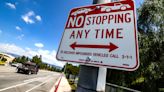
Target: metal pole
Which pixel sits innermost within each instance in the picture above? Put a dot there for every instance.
(64, 71)
(65, 68)
(101, 1)
(87, 79)
(92, 79)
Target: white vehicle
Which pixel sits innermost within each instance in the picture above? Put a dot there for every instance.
(116, 6)
(80, 11)
(15, 64)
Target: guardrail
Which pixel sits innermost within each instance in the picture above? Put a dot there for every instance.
(116, 88)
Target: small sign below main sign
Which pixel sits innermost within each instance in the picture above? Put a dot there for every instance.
(102, 35)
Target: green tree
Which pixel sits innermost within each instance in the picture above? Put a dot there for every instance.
(70, 69)
(21, 59)
(151, 50)
(151, 42)
(37, 60)
(43, 66)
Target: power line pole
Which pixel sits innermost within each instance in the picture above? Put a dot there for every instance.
(92, 79)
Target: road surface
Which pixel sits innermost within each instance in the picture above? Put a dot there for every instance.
(10, 81)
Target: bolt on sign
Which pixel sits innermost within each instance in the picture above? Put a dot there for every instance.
(102, 35)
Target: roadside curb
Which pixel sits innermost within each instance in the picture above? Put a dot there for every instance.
(56, 85)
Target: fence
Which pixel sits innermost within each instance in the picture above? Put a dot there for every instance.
(116, 88)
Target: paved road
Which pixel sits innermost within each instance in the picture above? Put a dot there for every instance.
(10, 81)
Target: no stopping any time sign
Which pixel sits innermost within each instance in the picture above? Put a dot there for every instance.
(101, 35)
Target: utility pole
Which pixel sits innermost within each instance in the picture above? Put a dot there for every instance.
(92, 79)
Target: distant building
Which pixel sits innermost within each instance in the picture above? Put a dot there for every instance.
(8, 57)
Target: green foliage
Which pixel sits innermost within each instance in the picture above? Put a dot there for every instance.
(70, 69)
(151, 43)
(43, 66)
(37, 60)
(73, 86)
(151, 50)
(21, 59)
(151, 15)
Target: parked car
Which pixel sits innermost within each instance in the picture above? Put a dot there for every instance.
(80, 11)
(117, 6)
(28, 68)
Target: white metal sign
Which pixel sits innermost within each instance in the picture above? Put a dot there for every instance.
(101, 35)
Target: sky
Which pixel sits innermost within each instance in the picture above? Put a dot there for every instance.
(35, 27)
